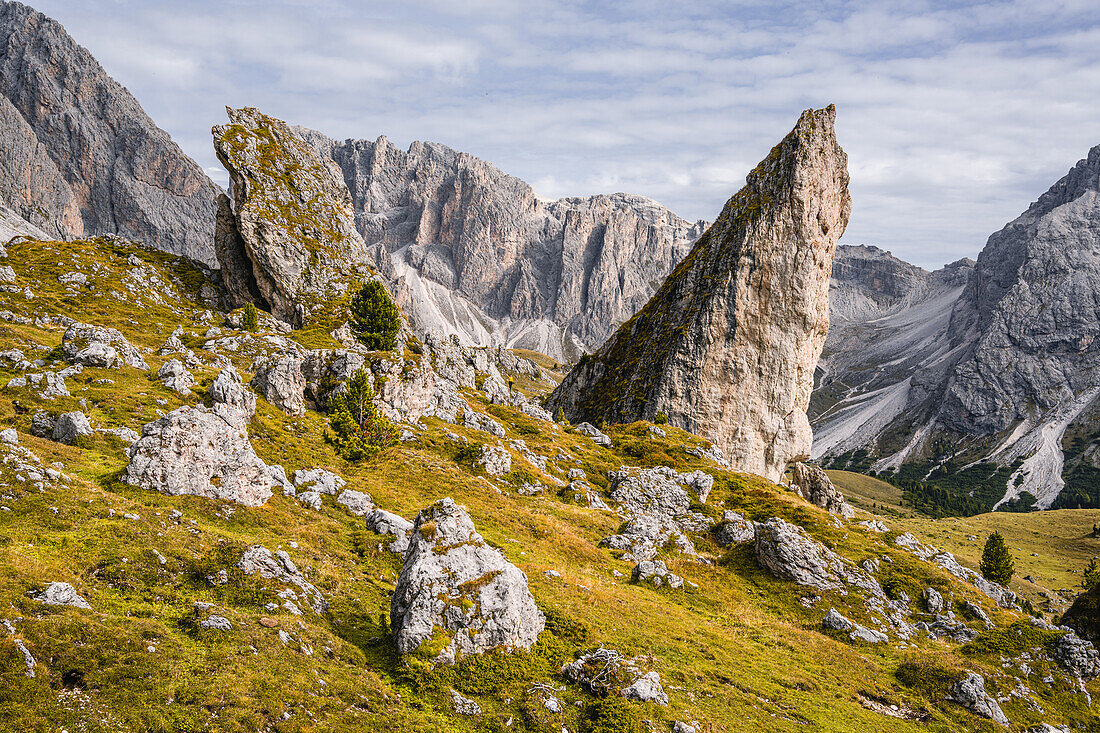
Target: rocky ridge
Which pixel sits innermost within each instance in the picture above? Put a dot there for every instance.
(716, 349)
(81, 156)
(1001, 352)
(476, 253)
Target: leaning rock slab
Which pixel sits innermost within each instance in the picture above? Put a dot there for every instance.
(814, 485)
(728, 345)
(455, 585)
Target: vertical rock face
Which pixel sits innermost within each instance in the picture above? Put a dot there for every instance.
(81, 157)
(727, 346)
(290, 238)
(1002, 352)
(476, 253)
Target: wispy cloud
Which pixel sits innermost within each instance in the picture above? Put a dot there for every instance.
(955, 115)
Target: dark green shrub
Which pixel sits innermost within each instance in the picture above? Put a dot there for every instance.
(250, 320)
(661, 418)
(375, 319)
(997, 564)
(358, 431)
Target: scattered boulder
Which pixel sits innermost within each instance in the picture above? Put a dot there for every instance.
(454, 583)
(734, 529)
(42, 424)
(835, 621)
(593, 432)
(647, 689)
(318, 479)
(657, 509)
(814, 485)
(312, 499)
(388, 523)
(193, 451)
(96, 346)
(174, 375)
(1077, 656)
(933, 601)
(233, 402)
(28, 659)
(8, 436)
(975, 611)
(496, 460)
(464, 705)
(970, 693)
(474, 420)
(655, 572)
(173, 344)
(217, 623)
(60, 594)
(788, 552)
(282, 382)
(71, 425)
(357, 502)
(278, 566)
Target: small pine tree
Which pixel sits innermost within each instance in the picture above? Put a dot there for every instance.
(375, 319)
(356, 429)
(1092, 575)
(997, 564)
(250, 321)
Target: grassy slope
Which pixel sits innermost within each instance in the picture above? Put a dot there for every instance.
(738, 653)
(871, 494)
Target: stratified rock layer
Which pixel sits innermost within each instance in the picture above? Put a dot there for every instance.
(290, 241)
(727, 346)
(81, 157)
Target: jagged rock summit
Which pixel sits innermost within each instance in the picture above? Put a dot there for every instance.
(288, 242)
(996, 360)
(473, 252)
(81, 157)
(727, 347)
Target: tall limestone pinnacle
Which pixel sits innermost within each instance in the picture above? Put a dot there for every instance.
(727, 346)
(288, 242)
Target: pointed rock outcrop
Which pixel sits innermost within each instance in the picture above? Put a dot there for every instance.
(456, 594)
(289, 242)
(727, 346)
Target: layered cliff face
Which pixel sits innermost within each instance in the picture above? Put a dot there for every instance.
(288, 241)
(81, 157)
(473, 252)
(727, 346)
(993, 361)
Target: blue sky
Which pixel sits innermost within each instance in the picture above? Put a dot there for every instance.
(955, 116)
